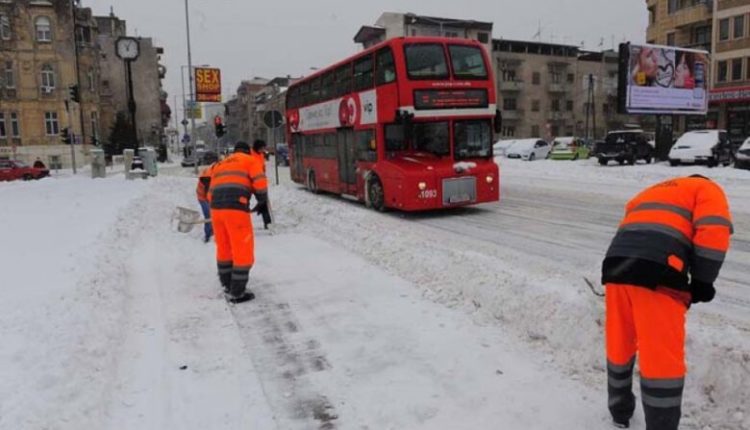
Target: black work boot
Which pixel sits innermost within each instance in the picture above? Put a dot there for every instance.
(243, 297)
(226, 280)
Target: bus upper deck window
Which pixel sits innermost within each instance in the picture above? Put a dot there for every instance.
(426, 61)
(468, 62)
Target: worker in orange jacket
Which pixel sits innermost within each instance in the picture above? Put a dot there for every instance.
(259, 152)
(201, 192)
(666, 255)
(233, 181)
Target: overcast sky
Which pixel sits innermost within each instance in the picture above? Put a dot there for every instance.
(267, 38)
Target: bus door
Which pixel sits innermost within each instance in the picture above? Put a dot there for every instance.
(298, 169)
(347, 161)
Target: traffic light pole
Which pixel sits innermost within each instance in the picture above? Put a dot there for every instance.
(192, 88)
(71, 137)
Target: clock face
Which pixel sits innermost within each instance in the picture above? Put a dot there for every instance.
(127, 48)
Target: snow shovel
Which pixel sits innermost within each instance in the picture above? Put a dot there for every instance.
(187, 219)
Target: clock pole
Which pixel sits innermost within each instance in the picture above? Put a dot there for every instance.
(131, 102)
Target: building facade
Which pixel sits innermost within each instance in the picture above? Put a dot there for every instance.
(47, 46)
(240, 119)
(721, 27)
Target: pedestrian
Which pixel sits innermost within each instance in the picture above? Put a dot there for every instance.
(39, 164)
(259, 152)
(666, 255)
(201, 192)
(233, 181)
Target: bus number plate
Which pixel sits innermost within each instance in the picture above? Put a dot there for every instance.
(428, 194)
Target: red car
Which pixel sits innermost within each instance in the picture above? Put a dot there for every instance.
(11, 170)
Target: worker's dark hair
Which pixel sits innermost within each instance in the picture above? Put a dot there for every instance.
(242, 147)
(259, 144)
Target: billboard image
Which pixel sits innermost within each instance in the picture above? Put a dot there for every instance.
(663, 80)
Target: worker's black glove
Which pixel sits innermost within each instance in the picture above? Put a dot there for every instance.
(701, 291)
(262, 205)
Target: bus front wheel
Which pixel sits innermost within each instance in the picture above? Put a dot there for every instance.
(376, 194)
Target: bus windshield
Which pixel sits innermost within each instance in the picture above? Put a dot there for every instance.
(432, 137)
(468, 62)
(426, 61)
(473, 139)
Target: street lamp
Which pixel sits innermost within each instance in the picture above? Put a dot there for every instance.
(192, 97)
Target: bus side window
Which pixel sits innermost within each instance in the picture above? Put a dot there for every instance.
(366, 151)
(315, 90)
(343, 80)
(326, 89)
(363, 73)
(394, 138)
(386, 69)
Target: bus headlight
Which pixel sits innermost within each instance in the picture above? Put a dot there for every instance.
(490, 179)
(422, 186)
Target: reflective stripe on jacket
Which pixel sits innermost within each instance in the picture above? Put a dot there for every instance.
(672, 229)
(204, 183)
(234, 180)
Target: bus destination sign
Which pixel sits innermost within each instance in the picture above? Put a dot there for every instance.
(448, 99)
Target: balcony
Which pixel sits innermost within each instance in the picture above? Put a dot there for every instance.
(510, 86)
(691, 15)
(512, 115)
(558, 88)
(556, 116)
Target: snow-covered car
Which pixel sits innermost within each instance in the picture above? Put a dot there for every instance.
(501, 146)
(568, 148)
(529, 149)
(742, 157)
(710, 147)
(625, 147)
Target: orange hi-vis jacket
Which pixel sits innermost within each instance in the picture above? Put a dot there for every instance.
(675, 228)
(204, 182)
(260, 157)
(234, 180)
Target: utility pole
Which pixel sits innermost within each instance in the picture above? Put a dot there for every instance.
(192, 87)
(78, 83)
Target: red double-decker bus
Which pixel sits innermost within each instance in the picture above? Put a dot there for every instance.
(406, 124)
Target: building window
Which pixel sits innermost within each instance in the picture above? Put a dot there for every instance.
(555, 76)
(43, 29)
(51, 125)
(15, 127)
(4, 27)
(536, 78)
(534, 131)
(737, 69)
(3, 130)
(702, 35)
(8, 75)
(535, 105)
(739, 26)
(569, 105)
(555, 105)
(92, 81)
(509, 104)
(508, 131)
(48, 78)
(95, 127)
(483, 37)
(670, 39)
(724, 29)
(672, 6)
(509, 75)
(571, 78)
(721, 71)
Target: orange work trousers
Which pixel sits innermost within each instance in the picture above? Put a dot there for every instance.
(235, 247)
(650, 323)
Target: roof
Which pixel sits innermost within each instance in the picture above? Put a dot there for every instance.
(531, 47)
(369, 32)
(412, 18)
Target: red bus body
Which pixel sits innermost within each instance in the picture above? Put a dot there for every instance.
(422, 129)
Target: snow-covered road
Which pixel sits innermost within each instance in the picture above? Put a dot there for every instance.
(476, 318)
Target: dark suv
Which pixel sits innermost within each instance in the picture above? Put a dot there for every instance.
(625, 147)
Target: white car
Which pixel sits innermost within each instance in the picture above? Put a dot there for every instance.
(742, 157)
(702, 146)
(501, 146)
(529, 149)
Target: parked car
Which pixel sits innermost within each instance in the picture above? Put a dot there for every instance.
(204, 159)
(529, 149)
(710, 147)
(742, 157)
(11, 170)
(625, 146)
(282, 154)
(569, 148)
(501, 146)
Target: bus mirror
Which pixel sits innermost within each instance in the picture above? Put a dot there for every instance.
(498, 123)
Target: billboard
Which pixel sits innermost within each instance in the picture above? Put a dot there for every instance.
(662, 80)
(207, 84)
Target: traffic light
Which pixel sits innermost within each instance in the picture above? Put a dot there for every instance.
(220, 128)
(66, 137)
(75, 94)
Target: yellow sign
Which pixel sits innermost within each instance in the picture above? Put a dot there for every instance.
(194, 111)
(207, 85)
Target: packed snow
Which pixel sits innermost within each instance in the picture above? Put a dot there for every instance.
(472, 318)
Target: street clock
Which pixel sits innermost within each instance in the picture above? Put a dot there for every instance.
(127, 48)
